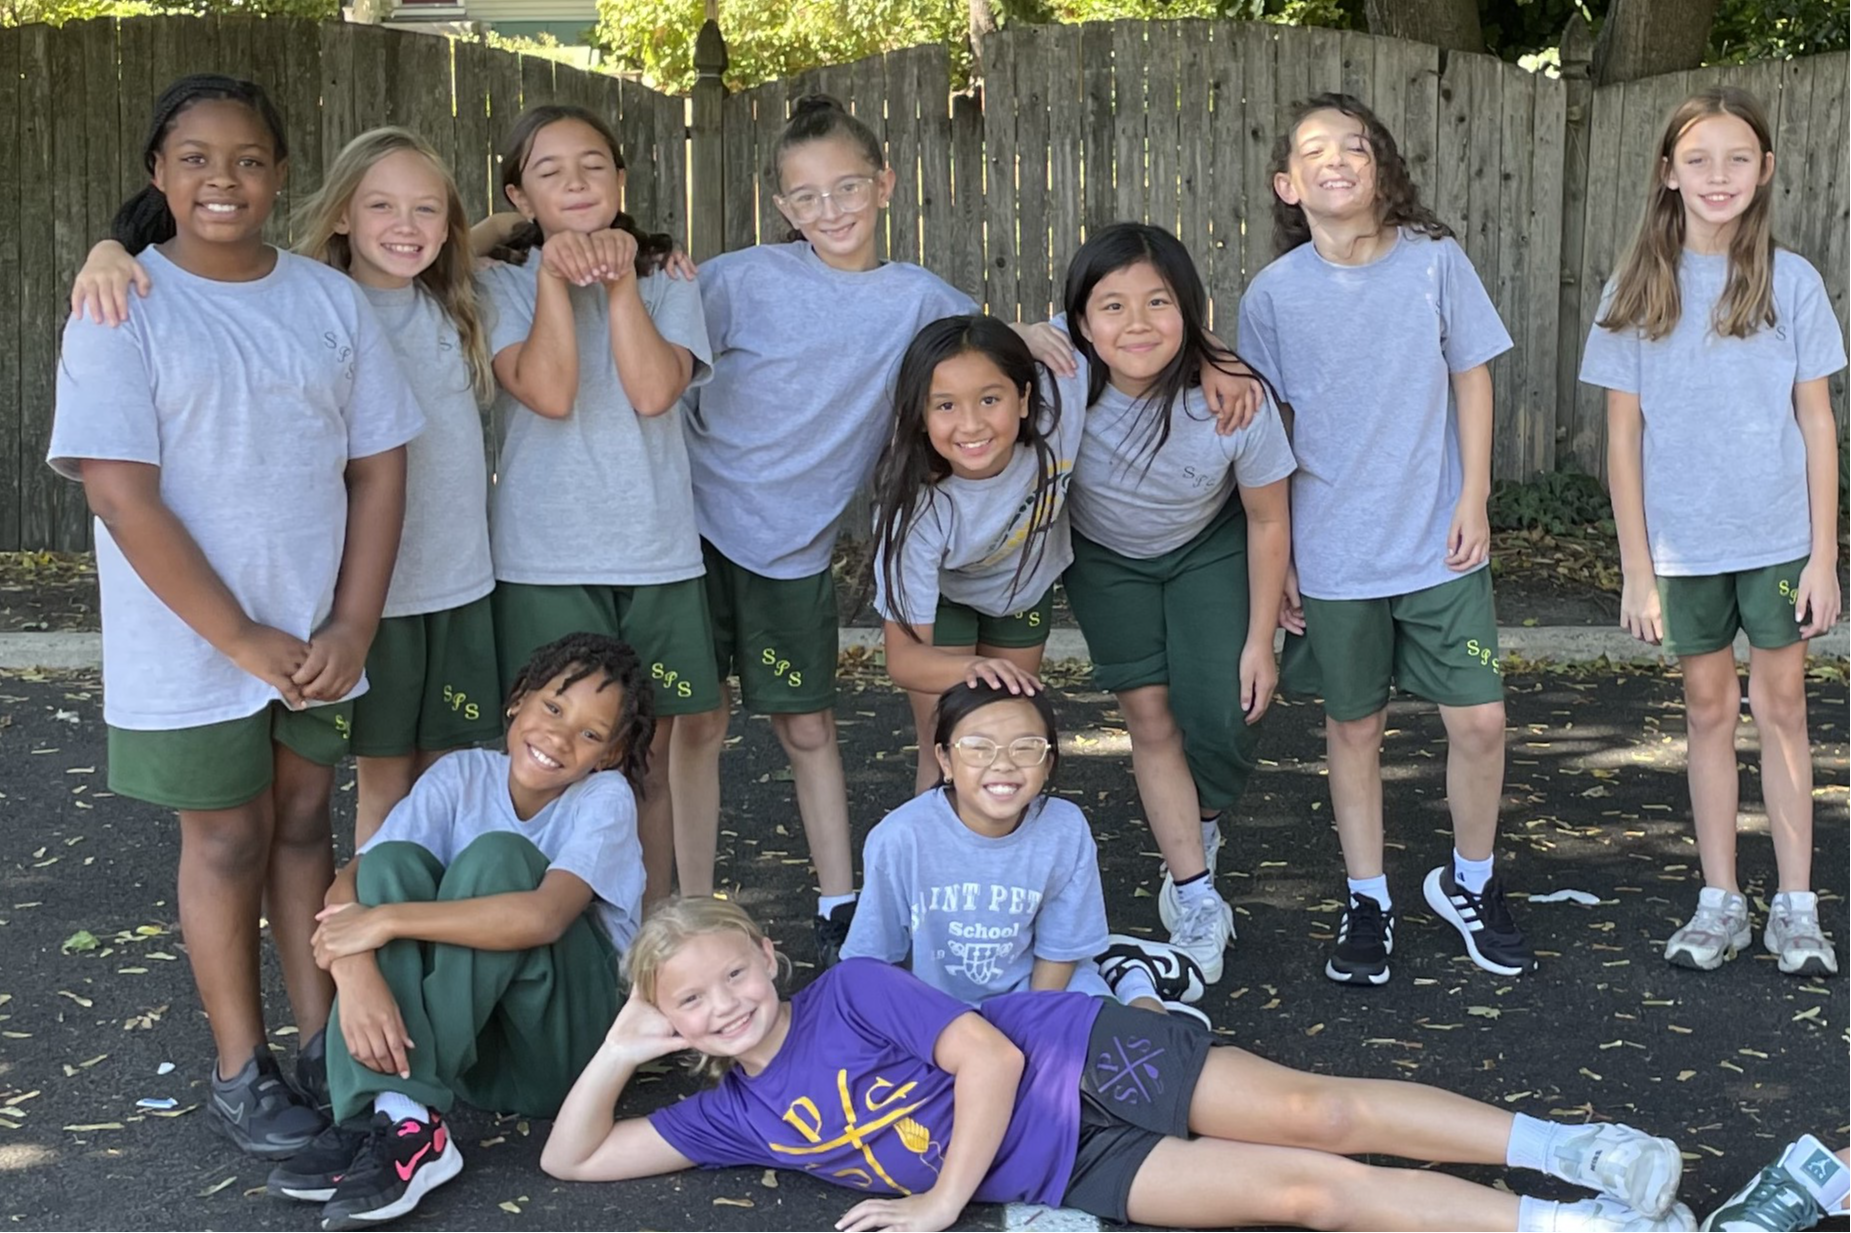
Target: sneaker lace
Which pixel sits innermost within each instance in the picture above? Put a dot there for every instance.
(1492, 907)
(1710, 921)
(1779, 1203)
(1365, 916)
(1199, 924)
(1802, 928)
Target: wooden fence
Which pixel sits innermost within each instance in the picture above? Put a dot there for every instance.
(1170, 122)
(75, 103)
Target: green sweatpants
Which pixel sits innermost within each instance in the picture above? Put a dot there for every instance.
(507, 1031)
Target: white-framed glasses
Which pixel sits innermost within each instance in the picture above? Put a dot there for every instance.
(980, 752)
(851, 196)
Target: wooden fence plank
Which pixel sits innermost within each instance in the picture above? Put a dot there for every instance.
(60, 504)
(102, 158)
(904, 128)
(739, 178)
(422, 87)
(135, 100)
(16, 350)
(1257, 47)
(964, 269)
(1066, 87)
(1509, 237)
(1128, 115)
(1796, 174)
(184, 45)
(1195, 135)
(502, 76)
(936, 203)
(1002, 253)
(302, 103)
(1096, 138)
(473, 162)
(1449, 189)
(268, 65)
(1224, 146)
(1323, 60)
(1031, 52)
(1543, 270)
(1822, 237)
(1357, 76)
(670, 171)
(872, 96)
(372, 46)
(1160, 123)
(1605, 228)
(235, 34)
(1417, 67)
(41, 311)
(771, 115)
(338, 123)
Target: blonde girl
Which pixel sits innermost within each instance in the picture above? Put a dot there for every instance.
(1714, 345)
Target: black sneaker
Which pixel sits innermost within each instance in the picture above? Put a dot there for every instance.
(260, 1112)
(312, 1173)
(312, 1071)
(1491, 935)
(1365, 940)
(1176, 976)
(398, 1164)
(832, 934)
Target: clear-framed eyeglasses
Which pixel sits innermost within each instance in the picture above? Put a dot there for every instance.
(980, 752)
(851, 196)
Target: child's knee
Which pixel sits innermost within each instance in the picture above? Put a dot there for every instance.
(705, 729)
(1712, 705)
(227, 850)
(1778, 705)
(1357, 735)
(497, 863)
(1477, 730)
(806, 734)
(397, 872)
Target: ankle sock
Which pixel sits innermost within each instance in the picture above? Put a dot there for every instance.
(1472, 875)
(1211, 835)
(827, 904)
(1376, 888)
(1531, 1140)
(1134, 983)
(1825, 1177)
(1537, 1215)
(400, 1107)
(1194, 890)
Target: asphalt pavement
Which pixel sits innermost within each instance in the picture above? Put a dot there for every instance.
(1732, 1064)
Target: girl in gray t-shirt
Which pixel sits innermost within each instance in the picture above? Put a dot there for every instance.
(970, 519)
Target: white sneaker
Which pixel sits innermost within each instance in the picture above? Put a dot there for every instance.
(1794, 935)
(1169, 905)
(1175, 976)
(1718, 930)
(1612, 1216)
(1203, 930)
(1638, 1169)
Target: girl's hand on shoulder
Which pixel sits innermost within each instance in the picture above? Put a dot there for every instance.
(1259, 678)
(1640, 614)
(1468, 540)
(1817, 601)
(101, 291)
(336, 657)
(1001, 674)
(1234, 394)
(917, 1211)
(641, 1033)
(274, 658)
(1291, 604)
(348, 929)
(679, 265)
(1049, 345)
(373, 1027)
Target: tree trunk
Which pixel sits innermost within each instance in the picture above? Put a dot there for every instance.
(1642, 38)
(982, 25)
(1452, 24)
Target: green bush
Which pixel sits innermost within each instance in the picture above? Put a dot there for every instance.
(1558, 503)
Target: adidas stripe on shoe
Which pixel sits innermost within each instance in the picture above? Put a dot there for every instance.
(1484, 922)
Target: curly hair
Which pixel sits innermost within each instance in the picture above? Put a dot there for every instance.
(577, 657)
(1397, 199)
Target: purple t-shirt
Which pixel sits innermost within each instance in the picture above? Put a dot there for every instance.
(854, 1098)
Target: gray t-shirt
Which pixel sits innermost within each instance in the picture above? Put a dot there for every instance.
(589, 831)
(1365, 355)
(801, 400)
(1142, 505)
(968, 536)
(443, 559)
(976, 912)
(251, 398)
(1724, 462)
(601, 496)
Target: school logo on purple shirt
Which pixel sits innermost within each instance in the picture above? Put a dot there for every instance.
(889, 1116)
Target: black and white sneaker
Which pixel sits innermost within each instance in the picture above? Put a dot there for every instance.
(1365, 940)
(1175, 976)
(1491, 935)
(257, 1110)
(311, 1175)
(832, 935)
(400, 1162)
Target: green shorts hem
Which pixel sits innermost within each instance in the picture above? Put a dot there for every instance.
(1703, 613)
(957, 624)
(776, 635)
(432, 684)
(222, 765)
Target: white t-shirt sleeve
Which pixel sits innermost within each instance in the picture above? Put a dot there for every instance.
(105, 400)
(1071, 924)
(1260, 452)
(382, 411)
(508, 290)
(675, 306)
(1612, 358)
(922, 553)
(1259, 343)
(1472, 331)
(882, 927)
(1818, 338)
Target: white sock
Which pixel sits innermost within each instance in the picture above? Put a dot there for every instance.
(1211, 835)
(1472, 875)
(1823, 1175)
(1134, 983)
(1531, 1140)
(1536, 1215)
(825, 904)
(400, 1107)
(1195, 890)
(1376, 888)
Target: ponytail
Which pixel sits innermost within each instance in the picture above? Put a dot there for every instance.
(144, 219)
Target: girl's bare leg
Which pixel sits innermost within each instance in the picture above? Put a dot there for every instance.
(655, 817)
(1777, 697)
(224, 856)
(1165, 786)
(301, 868)
(822, 795)
(1712, 709)
(694, 770)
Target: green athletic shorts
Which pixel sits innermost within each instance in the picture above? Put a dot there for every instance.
(778, 635)
(961, 625)
(432, 684)
(1440, 644)
(1702, 614)
(666, 623)
(226, 764)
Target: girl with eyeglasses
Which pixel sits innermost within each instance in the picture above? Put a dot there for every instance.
(992, 884)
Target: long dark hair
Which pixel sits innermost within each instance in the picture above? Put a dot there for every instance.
(144, 219)
(909, 466)
(963, 700)
(579, 656)
(813, 118)
(1397, 198)
(652, 247)
(1110, 250)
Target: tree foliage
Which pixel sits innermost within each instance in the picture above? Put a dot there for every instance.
(57, 12)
